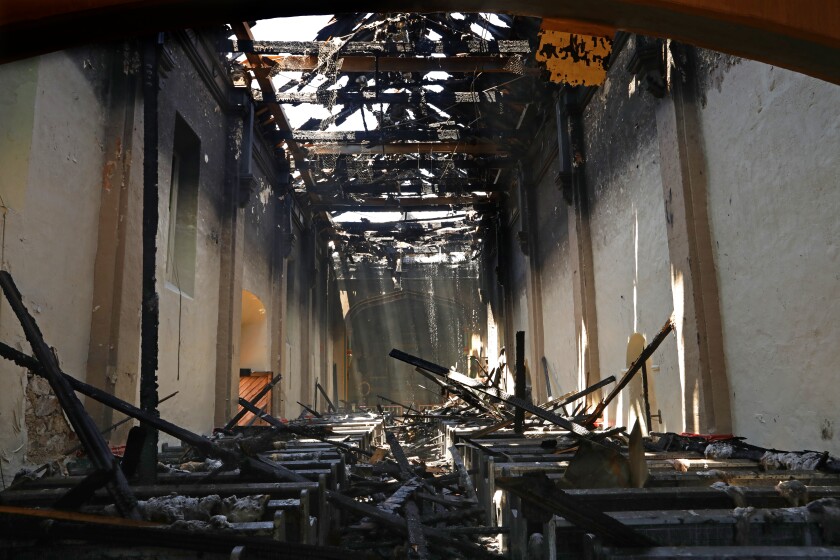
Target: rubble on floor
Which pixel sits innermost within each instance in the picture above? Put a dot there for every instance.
(487, 474)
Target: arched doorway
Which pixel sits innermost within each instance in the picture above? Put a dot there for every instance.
(254, 356)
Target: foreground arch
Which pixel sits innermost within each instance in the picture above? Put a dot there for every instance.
(802, 36)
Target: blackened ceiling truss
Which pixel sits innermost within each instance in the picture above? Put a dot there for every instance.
(428, 142)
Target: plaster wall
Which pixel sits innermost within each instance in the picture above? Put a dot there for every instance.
(259, 251)
(188, 322)
(556, 270)
(517, 312)
(50, 210)
(629, 242)
(295, 323)
(773, 206)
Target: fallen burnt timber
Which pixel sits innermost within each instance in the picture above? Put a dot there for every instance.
(455, 480)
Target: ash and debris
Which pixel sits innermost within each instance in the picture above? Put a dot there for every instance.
(212, 510)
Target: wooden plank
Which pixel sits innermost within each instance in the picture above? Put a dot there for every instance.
(575, 430)
(443, 99)
(448, 147)
(93, 442)
(357, 64)
(255, 401)
(444, 46)
(545, 495)
(465, 479)
(634, 368)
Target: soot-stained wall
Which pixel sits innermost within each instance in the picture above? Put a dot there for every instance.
(748, 258)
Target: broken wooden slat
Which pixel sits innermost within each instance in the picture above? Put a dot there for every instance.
(330, 405)
(398, 524)
(416, 536)
(356, 64)
(544, 494)
(309, 409)
(635, 367)
(399, 498)
(277, 424)
(576, 429)
(466, 481)
(587, 391)
(519, 381)
(447, 45)
(81, 421)
(263, 392)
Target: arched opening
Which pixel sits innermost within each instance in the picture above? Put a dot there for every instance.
(253, 354)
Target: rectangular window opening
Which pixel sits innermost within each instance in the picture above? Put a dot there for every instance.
(183, 208)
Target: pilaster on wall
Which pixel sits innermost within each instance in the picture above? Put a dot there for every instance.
(113, 354)
(534, 337)
(693, 275)
(232, 242)
(572, 181)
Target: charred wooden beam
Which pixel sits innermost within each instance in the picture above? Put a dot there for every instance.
(243, 32)
(330, 405)
(540, 492)
(575, 429)
(82, 423)
(356, 64)
(441, 99)
(519, 381)
(589, 390)
(263, 392)
(403, 186)
(635, 367)
(309, 409)
(463, 147)
(468, 135)
(149, 310)
(201, 443)
(278, 425)
(423, 161)
(444, 46)
(411, 204)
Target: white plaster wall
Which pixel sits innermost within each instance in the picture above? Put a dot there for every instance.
(632, 273)
(50, 229)
(772, 141)
(556, 271)
(188, 324)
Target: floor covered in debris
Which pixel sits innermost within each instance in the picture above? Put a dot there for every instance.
(448, 180)
(485, 475)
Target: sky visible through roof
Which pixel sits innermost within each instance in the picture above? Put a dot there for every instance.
(305, 28)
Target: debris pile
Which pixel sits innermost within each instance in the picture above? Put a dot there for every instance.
(487, 473)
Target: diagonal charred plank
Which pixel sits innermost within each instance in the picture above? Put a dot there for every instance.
(201, 443)
(280, 426)
(82, 423)
(456, 378)
(263, 392)
(634, 368)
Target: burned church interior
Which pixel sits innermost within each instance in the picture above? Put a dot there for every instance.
(549, 281)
